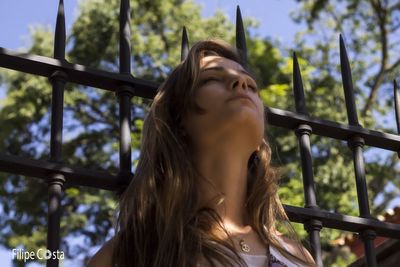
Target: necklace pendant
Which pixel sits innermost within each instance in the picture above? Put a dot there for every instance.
(244, 246)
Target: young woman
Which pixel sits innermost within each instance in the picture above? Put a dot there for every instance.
(204, 193)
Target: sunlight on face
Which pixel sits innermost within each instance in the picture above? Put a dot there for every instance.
(230, 98)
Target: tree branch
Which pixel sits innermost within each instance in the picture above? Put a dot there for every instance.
(395, 65)
(394, 7)
(382, 17)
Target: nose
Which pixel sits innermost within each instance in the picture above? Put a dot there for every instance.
(239, 82)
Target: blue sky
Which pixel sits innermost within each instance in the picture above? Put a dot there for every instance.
(17, 16)
(15, 19)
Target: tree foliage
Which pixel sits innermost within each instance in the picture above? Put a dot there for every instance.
(91, 115)
(371, 32)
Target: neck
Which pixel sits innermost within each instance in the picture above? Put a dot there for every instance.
(223, 171)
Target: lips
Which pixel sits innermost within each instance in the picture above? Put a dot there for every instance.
(238, 96)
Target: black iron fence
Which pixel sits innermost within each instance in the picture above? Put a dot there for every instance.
(57, 173)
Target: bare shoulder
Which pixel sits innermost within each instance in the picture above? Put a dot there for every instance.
(296, 248)
(103, 257)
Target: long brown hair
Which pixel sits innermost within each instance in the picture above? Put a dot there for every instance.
(160, 222)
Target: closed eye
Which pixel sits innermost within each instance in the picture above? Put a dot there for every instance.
(253, 88)
(252, 85)
(208, 80)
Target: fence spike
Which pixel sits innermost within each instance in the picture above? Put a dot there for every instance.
(184, 45)
(396, 104)
(241, 37)
(59, 37)
(298, 88)
(124, 96)
(125, 37)
(348, 85)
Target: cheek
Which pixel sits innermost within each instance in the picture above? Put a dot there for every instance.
(208, 98)
(260, 107)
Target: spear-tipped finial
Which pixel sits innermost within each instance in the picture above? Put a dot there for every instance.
(348, 84)
(184, 45)
(240, 37)
(59, 38)
(396, 104)
(298, 89)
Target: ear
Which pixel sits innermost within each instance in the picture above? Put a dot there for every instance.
(258, 149)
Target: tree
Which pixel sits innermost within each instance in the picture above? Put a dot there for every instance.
(90, 124)
(371, 32)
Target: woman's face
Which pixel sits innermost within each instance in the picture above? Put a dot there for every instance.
(221, 83)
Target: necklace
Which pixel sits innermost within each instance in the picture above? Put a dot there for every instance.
(244, 246)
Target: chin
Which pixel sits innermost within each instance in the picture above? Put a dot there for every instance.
(249, 119)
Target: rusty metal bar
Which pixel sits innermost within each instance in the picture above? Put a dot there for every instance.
(303, 133)
(356, 144)
(56, 180)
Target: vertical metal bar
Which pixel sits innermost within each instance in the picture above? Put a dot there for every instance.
(125, 38)
(59, 40)
(58, 80)
(397, 107)
(125, 131)
(241, 37)
(123, 94)
(396, 104)
(184, 45)
(348, 85)
(303, 133)
(298, 89)
(56, 180)
(356, 143)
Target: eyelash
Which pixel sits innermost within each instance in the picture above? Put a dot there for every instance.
(252, 87)
(209, 79)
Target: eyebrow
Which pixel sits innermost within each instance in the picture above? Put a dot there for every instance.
(219, 68)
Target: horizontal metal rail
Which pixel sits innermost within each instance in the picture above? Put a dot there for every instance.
(87, 76)
(326, 128)
(73, 175)
(342, 222)
(78, 176)
(79, 74)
